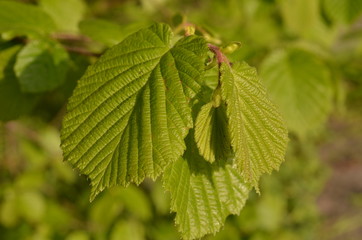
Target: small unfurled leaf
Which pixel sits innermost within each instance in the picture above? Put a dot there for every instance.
(212, 134)
(203, 194)
(129, 114)
(211, 77)
(231, 47)
(258, 133)
(24, 19)
(66, 13)
(300, 84)
(41, 66)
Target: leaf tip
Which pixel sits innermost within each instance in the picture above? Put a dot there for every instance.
(94, 193)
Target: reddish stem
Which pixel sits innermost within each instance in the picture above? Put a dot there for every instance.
(220, 57)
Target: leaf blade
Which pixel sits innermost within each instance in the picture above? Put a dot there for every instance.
(41, 66)
(212, 134)
(299, 83)
(66, 14)
(20, 18)
(131, 109)
(13, 102)
(203, 194)
(257, 131)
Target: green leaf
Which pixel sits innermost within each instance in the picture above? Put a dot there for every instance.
(107, 202)
(257, 131)
(211, 77)
(212, 134)
(13, 102)
(203, 194)
(66, 13)
(299, 15)
(129, 229)
(300, 84)
(20, 18)
(108, 33)
(41, 66)
(102, 31)
(7, 52)
(136, 202)
(303, 18)
(129, 114)
(345, 11)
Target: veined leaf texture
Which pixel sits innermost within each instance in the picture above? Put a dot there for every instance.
(258, 134)
(203, 194)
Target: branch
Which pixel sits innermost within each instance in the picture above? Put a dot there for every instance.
(82, 51)
(71, 37)
(72, 40)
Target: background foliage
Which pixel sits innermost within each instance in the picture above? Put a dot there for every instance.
(309, 54)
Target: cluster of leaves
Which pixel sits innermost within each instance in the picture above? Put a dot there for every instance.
(307, 50)
(130, 112)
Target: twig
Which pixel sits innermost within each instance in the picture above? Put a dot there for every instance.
(65, 38)
(71, 37)
(82, 51)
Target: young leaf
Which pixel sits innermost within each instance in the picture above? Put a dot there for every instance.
(41, 66)
(66, 14)
(129, 114)
(203, 194)
(300, 84)
(258, 133)
(211, 77)
(20, 18)
(211, 133)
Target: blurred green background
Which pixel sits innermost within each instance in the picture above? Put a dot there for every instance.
(309, 55)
